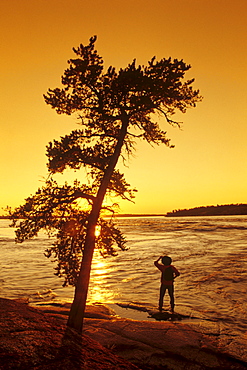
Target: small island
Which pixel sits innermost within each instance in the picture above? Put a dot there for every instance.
(219, 210)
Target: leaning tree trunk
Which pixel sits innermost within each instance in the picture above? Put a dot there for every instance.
(76, 314)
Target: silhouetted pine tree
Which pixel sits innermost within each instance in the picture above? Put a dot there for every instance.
(114, 108)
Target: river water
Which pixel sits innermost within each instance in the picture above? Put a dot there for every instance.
(209, 252)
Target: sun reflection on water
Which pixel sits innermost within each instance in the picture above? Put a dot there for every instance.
(98, 291)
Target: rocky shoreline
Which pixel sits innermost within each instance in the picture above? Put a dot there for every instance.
(34, 338)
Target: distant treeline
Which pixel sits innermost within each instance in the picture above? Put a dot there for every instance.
(224, 210)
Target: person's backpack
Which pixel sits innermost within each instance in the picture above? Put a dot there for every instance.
(168, 274)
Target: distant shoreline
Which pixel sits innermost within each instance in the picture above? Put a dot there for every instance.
(219, 210)
(117, 215)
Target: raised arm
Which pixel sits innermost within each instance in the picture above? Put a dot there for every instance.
(157, 264)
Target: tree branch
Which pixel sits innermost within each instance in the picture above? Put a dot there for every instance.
(170, 121)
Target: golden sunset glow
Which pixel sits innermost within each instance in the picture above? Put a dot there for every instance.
(207, 165)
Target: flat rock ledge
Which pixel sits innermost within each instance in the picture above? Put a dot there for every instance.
(33, 338)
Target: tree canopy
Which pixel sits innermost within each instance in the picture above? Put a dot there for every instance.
(114, 109)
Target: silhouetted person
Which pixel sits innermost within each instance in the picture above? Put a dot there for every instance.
(169, 273)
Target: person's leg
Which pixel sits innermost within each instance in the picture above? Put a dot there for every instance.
(162, 293)
(171, 294)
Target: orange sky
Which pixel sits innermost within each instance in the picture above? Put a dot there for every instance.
(207, 165)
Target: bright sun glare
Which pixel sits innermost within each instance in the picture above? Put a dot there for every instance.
(97, 231)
